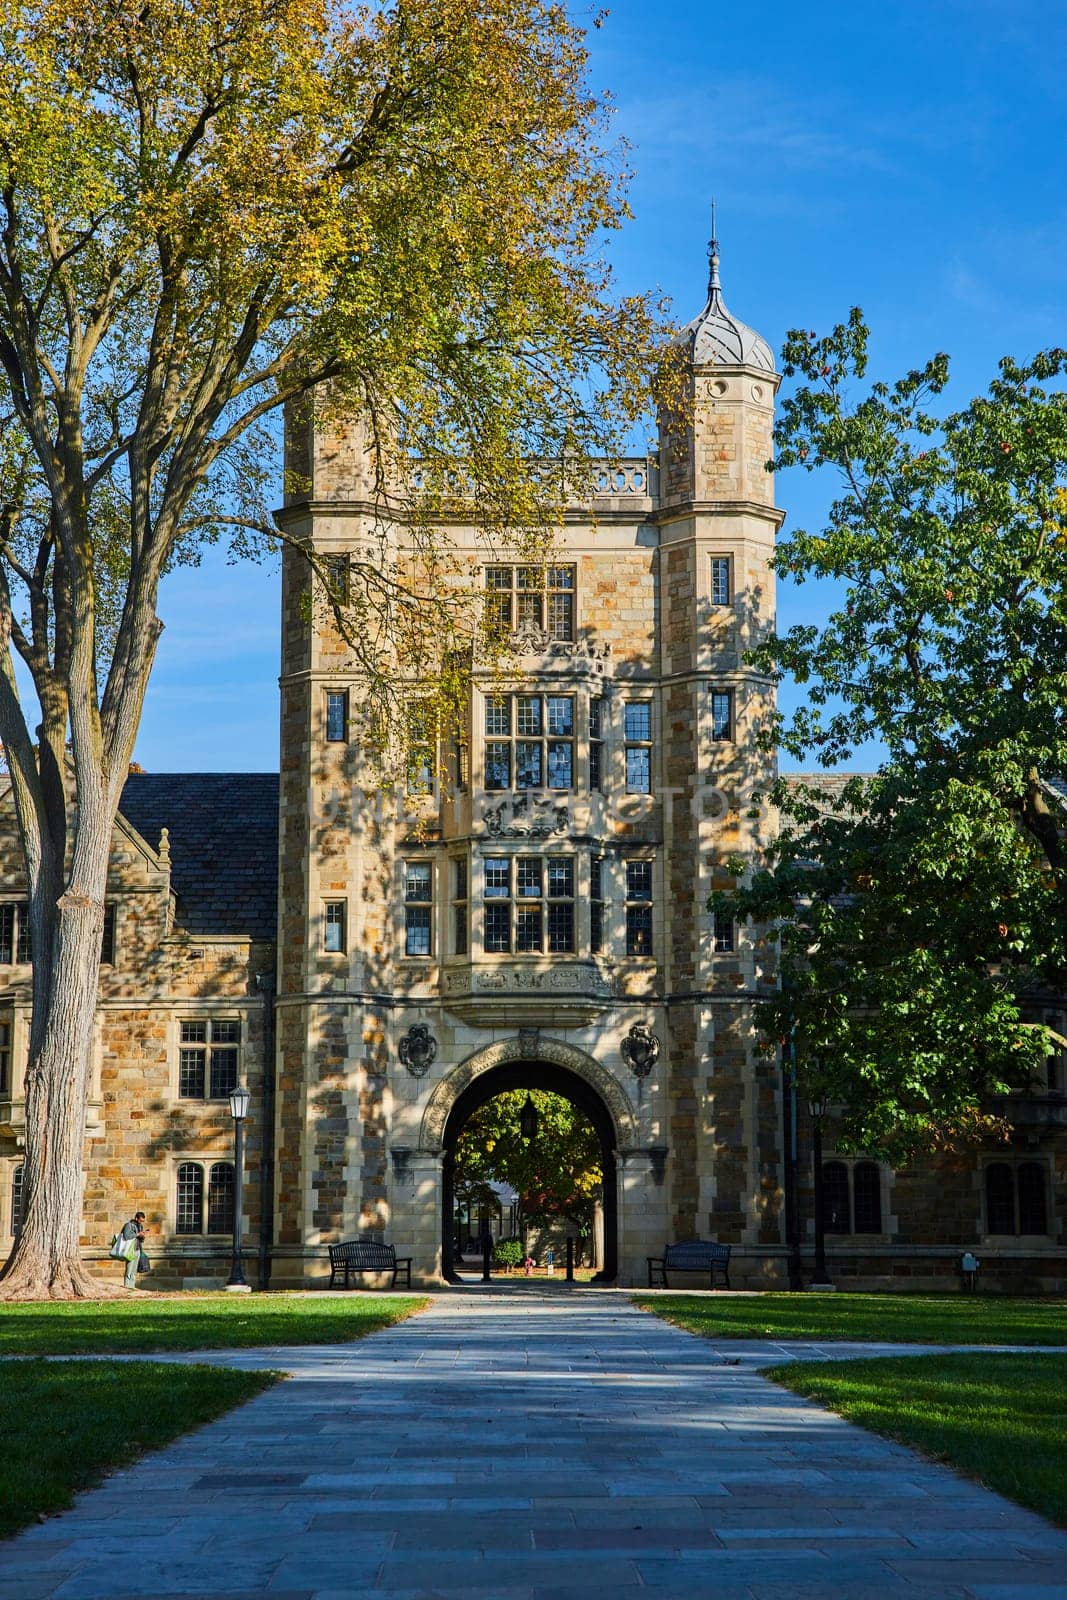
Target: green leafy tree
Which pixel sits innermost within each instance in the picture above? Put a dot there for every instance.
(557, 1174)
(918, 908)
(210, 210)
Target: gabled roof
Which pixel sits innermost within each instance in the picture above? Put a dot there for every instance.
(223, 845)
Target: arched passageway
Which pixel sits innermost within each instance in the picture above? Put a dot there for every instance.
(559, 1080)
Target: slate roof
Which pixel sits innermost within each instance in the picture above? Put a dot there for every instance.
(828, 785)
(223, 845)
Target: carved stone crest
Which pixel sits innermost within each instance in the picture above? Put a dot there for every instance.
(526, 817)
(530, 641)
(640, 1050)
(417, 1050)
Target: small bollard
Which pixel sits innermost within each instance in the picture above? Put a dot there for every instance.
(570, 1259)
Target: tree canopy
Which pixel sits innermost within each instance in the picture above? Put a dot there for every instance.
(921, 908)
(558, 1174)
(210, 209)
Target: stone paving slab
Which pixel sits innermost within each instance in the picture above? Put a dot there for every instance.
(535, 1447)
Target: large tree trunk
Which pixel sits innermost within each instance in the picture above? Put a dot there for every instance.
(46, 1260)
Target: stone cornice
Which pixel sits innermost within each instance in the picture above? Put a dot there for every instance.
(685, 509)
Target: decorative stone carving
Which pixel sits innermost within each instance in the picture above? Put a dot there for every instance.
(417, 1050)
(557, 979)
(530, 641)
(538, 642)
(443, 1096)
(578, 978)
(524, 816)
(640, 1050)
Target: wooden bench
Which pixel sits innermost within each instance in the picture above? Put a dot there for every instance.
(367, 1255)
(694, 1255)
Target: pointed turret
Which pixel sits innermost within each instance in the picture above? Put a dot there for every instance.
(717, 339)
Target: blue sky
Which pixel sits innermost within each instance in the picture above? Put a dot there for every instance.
(904, 157)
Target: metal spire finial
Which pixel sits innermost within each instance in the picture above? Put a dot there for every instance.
(714, 286)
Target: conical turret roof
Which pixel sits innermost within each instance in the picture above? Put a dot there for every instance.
(718, 339)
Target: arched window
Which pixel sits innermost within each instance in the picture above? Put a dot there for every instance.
(867, 1197)
(837, 1211)
(1033, 1208)
(220, 1198)
(190, 1208)
(16, 1201)
(999, 1198)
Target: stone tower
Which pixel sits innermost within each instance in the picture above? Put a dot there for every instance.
(717, 523)
(541, 920)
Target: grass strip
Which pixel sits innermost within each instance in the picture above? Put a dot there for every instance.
(193, 1322)
(999, 1418)
(65, 1424)
(894, 1318)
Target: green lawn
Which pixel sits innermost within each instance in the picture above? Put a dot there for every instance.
(194, 1322)
(64, 1424)
(898, 1318)
(998, 1418)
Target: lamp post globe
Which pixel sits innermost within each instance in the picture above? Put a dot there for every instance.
(239, 1099)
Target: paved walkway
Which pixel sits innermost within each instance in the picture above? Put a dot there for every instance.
(530, 1447)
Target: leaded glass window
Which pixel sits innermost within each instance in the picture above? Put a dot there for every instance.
(529, 904)
(529, 741)
(220, 1198)
(189, 1213)
(530, 599)
(418, 908)
(637, 727)
(639, 908)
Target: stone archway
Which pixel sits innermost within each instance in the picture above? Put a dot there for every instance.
(526, 1062)
(530, 1046)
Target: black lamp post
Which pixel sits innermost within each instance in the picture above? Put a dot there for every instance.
(820, 1278)
(239, 1098)
(528, 1120)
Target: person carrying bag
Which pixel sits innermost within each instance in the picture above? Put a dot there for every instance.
(127, 1246)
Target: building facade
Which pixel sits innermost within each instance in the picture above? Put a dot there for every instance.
(541, 920)
(538, 920)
